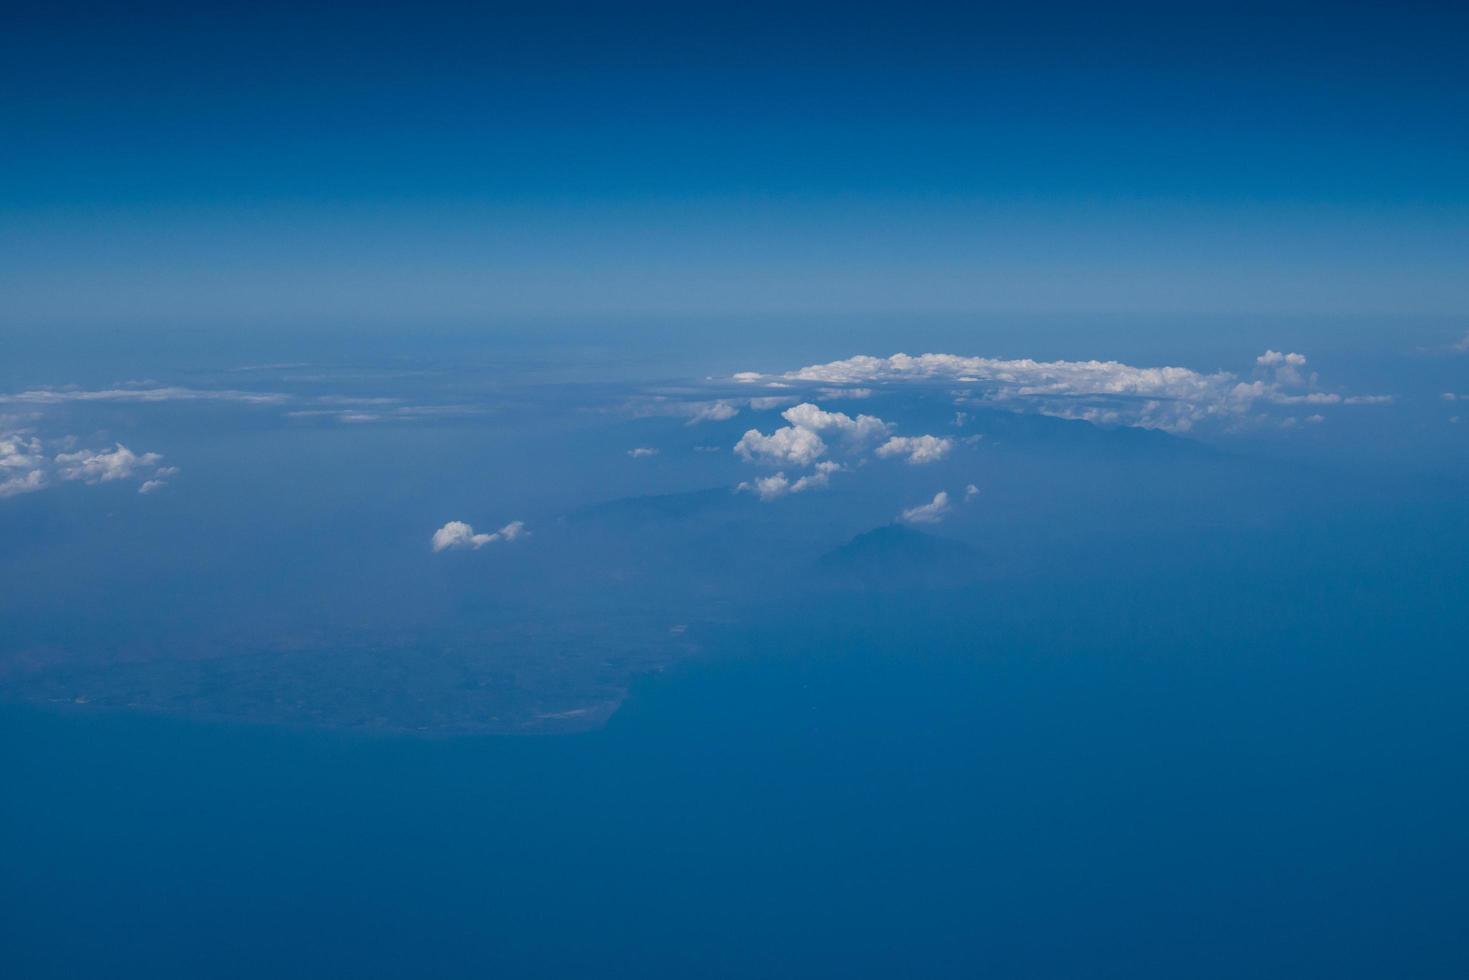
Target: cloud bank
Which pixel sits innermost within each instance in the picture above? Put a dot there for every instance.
(1174, 399)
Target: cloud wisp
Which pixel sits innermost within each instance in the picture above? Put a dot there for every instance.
(701, 410)
(169, 393)
(339, 408)
(930, 513)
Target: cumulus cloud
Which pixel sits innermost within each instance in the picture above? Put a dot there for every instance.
(22, 464)
(25, 466)
(787, 446)
(930, 513)
(812, 433)
(459, 535)
(95, 466)
(801, 442)
(970, 492)
(642, 452)
(1276, 358)
(1285, 367)
(779, 485)
(918, 449)
(1174, 399)
(862, 429)
(27, 482)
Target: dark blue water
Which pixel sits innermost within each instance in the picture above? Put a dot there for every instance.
(1187, 779)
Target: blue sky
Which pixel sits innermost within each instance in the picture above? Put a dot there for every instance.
(259, 161)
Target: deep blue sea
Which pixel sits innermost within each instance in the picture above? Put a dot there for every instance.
(1145, 704)
(872, 801)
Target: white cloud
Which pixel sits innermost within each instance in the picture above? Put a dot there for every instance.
(19, 451)
(768, 487)
(863, 428)
(1462, 344)
(918, 449)
(642, 452)
(23, 483)
(459, 535)
(790, 445)
(970, 492)
(930, 513)
(25, 466)
(22, 464)
(801, 442)
(1286, 367)
(150, 486)
(778, 484)
(97, 466)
